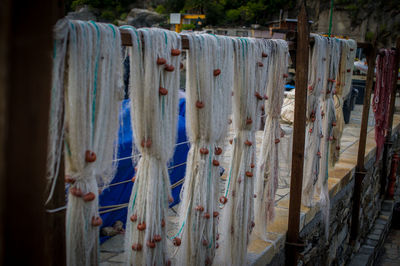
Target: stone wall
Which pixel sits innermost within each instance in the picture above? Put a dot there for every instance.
(338, 250)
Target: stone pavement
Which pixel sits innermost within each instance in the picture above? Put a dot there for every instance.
(391, 253)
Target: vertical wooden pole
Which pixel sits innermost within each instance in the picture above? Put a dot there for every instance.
(25, 64)
(5, 21)
(360, 169)
(55, 245)
(388, 142)
(299, 129)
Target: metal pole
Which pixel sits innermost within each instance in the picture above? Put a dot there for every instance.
(299, 129)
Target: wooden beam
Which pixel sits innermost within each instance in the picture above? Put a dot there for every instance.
(127, 41)
(360, 168)
(299, 129)
(388, 142)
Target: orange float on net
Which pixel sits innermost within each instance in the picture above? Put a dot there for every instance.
(249, 174)
(169, 68)
(96, 221)
(89, 196)
(90, 156)
(150, 244)
(277, 141)
(177, 241)
(285, 75)
(199, 104)
(258, 95)
(205, 242)
(215, 214)
(231, 141)
(204, 151)
(249, 121)
(137, 247)
(260, 64)
(69, 179)
(207, 215)
(133, 218)
(161, 61)
(133, 179)
(223, 199)
(162, 223)
(199, 208)
(264, 54)
(141, 226)
(175, 52)
(216, 72)
(217, 150)
(252, 165)
(146, 143)
(170, 199)
(163, 91)
(248, 143)
(157, 238)
(215, 162)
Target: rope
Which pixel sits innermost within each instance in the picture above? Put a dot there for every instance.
(139, 155)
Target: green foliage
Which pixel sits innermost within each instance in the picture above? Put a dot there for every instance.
(351, 7)
(108, 15)
(77, 3)
(214, 12)
(188, 27)
(123, 16)
(160, 9)
(232, 15)
(218, 12)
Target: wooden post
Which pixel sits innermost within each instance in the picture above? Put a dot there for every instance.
(25, 84)
(388, 140)
(299, 128)
(360, 169)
